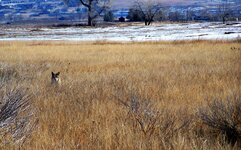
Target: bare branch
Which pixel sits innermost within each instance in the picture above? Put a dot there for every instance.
(148, 9)
(86, 5)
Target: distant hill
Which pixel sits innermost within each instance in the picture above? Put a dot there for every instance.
(128, 3)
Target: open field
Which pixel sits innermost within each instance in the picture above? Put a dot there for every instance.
(124, 95)
(127, 32)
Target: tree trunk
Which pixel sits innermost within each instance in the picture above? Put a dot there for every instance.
(150, 20)
(90, 22)
(90, 19)
(149, 23)
(146, 22)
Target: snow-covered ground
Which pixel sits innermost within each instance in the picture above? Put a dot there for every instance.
(166, 32)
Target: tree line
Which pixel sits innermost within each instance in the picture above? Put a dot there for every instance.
(148, 11)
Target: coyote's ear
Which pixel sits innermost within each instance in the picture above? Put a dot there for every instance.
(57, 73)
(52, 74)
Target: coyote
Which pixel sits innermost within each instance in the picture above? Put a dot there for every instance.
(55, 79)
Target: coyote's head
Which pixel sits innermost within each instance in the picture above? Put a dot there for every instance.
(55, 79)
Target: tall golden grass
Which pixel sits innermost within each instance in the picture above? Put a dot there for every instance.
(123, 95)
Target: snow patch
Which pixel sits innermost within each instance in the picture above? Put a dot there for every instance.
(162, 32)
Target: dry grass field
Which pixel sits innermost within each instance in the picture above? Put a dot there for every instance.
(160, 95)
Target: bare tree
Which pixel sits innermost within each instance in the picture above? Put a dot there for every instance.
(224, 10)
(148, 9)
(189, 14)
(162, 14)
(94, 7)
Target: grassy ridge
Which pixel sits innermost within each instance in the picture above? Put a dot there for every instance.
(124, 95)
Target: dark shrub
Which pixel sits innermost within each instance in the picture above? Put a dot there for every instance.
(135, 15)
(109, 17)
(224, 117)
(148, 119)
